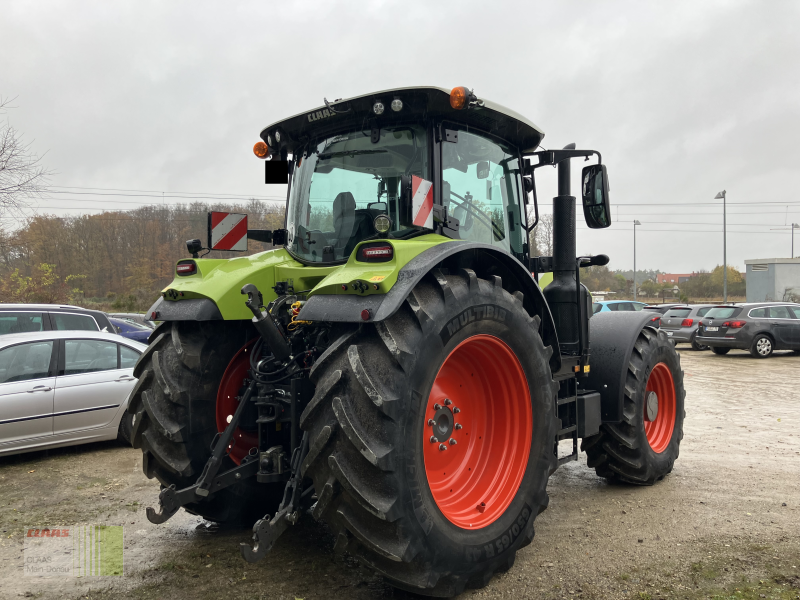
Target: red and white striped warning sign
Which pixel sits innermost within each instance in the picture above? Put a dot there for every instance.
(228, 231)
(421, 202)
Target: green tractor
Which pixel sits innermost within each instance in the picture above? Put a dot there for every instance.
(393, 368)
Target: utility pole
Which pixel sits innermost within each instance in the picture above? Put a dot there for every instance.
(794, 226)
(635, 223)
(724, 246)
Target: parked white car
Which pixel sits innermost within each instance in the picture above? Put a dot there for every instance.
(61, 388)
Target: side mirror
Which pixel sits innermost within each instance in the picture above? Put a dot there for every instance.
(596, 205)
(483, 169)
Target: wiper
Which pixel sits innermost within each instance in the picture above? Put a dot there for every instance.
(349, 153)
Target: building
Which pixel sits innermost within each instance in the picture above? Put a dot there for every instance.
(674, 277)
(773, 279)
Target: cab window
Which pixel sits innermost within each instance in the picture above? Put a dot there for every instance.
(481, 188)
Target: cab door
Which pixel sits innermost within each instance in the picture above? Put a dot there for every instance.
(26, 392)
(87, 394)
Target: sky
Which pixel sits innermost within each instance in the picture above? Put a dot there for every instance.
(683, 100)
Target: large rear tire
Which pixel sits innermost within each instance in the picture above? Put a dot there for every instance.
(643, 448)
(434, 516)
(174, 417)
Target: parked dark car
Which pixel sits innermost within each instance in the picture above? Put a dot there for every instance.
(760, 328)
(22, 318)
(680, 323)
(139, 318)
(131, 330)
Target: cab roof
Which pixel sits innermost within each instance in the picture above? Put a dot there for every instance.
(418, 103)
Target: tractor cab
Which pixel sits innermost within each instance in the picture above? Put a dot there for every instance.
(403, 163)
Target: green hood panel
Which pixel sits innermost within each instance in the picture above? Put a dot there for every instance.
(364, 279)
(221, 280)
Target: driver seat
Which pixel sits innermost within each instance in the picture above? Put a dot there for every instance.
(344, 218)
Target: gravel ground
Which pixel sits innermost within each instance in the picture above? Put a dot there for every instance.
(724, 524)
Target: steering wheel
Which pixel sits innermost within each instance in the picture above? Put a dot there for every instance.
(499, 233)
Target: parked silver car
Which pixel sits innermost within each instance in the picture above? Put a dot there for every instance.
(680, 323)
(60, 388)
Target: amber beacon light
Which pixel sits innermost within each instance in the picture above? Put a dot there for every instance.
(458, 97)
(261, 150)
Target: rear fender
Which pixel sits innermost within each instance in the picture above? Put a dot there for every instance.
(484, 259)
(612, 336)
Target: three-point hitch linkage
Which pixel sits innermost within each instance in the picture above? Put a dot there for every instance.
(269, 466)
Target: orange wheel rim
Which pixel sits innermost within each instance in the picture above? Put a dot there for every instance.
(481, 401)
(659, 430)
(229, 388)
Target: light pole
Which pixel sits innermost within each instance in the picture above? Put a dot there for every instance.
(794, 226)
(635, 223)
(724, 246)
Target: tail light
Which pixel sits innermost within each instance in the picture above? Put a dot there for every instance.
(734, 324)
(188, 267)
(375, 253)
(655, 319)
(687, 322)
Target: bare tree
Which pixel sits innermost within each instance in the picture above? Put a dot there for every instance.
(21, 174)
(542, 237)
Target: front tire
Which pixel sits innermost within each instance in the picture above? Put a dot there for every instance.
(384, 486)
(719, 350)
(643, 448)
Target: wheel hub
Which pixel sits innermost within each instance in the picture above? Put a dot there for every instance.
(652, 406)
(443, 423)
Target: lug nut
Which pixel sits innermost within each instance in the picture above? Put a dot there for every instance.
(433, 439)
(437, 406)
(447, 402)
(456, 410)
(442, 447)
(431, 422)
(458, 426)
(453, 442)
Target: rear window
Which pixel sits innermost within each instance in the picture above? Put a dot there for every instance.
(779, 312)
(127, 357)
(21, 322)
(723, 312)
(796, 311)
(70, 322)
(702, 312)
(678, 312)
